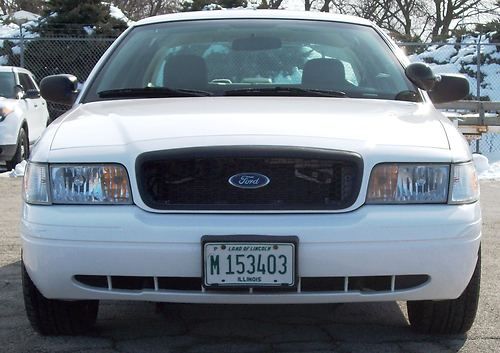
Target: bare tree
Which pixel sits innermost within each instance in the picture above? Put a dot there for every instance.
(415, 19)
(7, 6)
(275, 4)
(446, 12)
(408, 18)
(373, 10)
(308, 4)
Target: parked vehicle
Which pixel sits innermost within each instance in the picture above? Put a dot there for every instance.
(251, 157)
(23, 114)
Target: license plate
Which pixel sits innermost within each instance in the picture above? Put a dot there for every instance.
(258, 261)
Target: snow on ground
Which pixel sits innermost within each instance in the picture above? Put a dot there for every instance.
(492, 173)
(297, 5)
(488, 163)
(440, 55)
(24, 16)
(9, 28)
(460, 56)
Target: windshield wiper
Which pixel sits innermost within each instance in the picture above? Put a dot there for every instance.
(152, 92)
(284, 91)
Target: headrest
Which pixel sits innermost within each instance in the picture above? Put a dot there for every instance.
(324, 73)
(185, 71)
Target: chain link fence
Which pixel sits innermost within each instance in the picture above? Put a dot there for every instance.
(479, 62)
(475, 57)
(478, 59)
(51, 56)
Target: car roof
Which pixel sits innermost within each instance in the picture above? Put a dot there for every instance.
(14, 69)
(264, 14)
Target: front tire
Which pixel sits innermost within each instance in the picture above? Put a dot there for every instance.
(57, 317)
(22, 150)
(454, 316)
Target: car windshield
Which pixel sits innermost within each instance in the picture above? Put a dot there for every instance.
(7, 84)
(251, 57)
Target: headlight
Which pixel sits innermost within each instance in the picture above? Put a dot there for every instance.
(409, 183)
(77, 184)
(464, 184)
(36, 184)
(88, 184)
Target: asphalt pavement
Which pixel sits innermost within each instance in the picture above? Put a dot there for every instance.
(147, 327)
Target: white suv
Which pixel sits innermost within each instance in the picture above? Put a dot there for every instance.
(252, 157)
(23, 114)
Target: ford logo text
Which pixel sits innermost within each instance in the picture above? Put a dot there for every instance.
(249, 180)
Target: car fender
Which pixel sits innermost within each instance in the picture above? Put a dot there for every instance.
(10, 127)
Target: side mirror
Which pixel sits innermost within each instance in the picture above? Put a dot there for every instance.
(32, 94)
(450, 88)
(61, 89)
(421, 75)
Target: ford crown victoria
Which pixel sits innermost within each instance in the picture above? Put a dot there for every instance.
(252, 157)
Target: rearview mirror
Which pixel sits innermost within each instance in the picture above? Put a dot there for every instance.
(421, 75)
(62, 89)
(256, 43)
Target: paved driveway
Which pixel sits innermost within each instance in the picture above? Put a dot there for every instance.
(146, 327)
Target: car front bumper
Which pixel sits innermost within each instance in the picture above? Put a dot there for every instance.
(440, 241)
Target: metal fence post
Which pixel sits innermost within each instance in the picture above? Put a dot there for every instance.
(478, 72)
(21, 59)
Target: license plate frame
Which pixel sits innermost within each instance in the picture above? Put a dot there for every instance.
(244, 239)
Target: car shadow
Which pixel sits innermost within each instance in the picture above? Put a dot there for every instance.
(126, 326)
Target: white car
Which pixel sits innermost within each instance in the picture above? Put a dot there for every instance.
(252, 157)
(23, 114)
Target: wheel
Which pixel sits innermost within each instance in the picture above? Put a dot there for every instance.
(57, 317)
(452, 316)
(22, 151)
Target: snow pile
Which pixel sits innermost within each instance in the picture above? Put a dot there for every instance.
(481, 163)
(493, 173)
(9, 28)
(488, 167)
(295, 5)
(460, 56)
(439, 54)
(212, 7)
(115, 12)
(18, 171)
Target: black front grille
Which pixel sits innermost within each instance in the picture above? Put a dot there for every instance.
(198, 178)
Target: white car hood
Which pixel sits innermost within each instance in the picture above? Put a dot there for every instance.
(374, 122)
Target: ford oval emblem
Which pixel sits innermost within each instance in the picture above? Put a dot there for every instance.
(249, 180)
